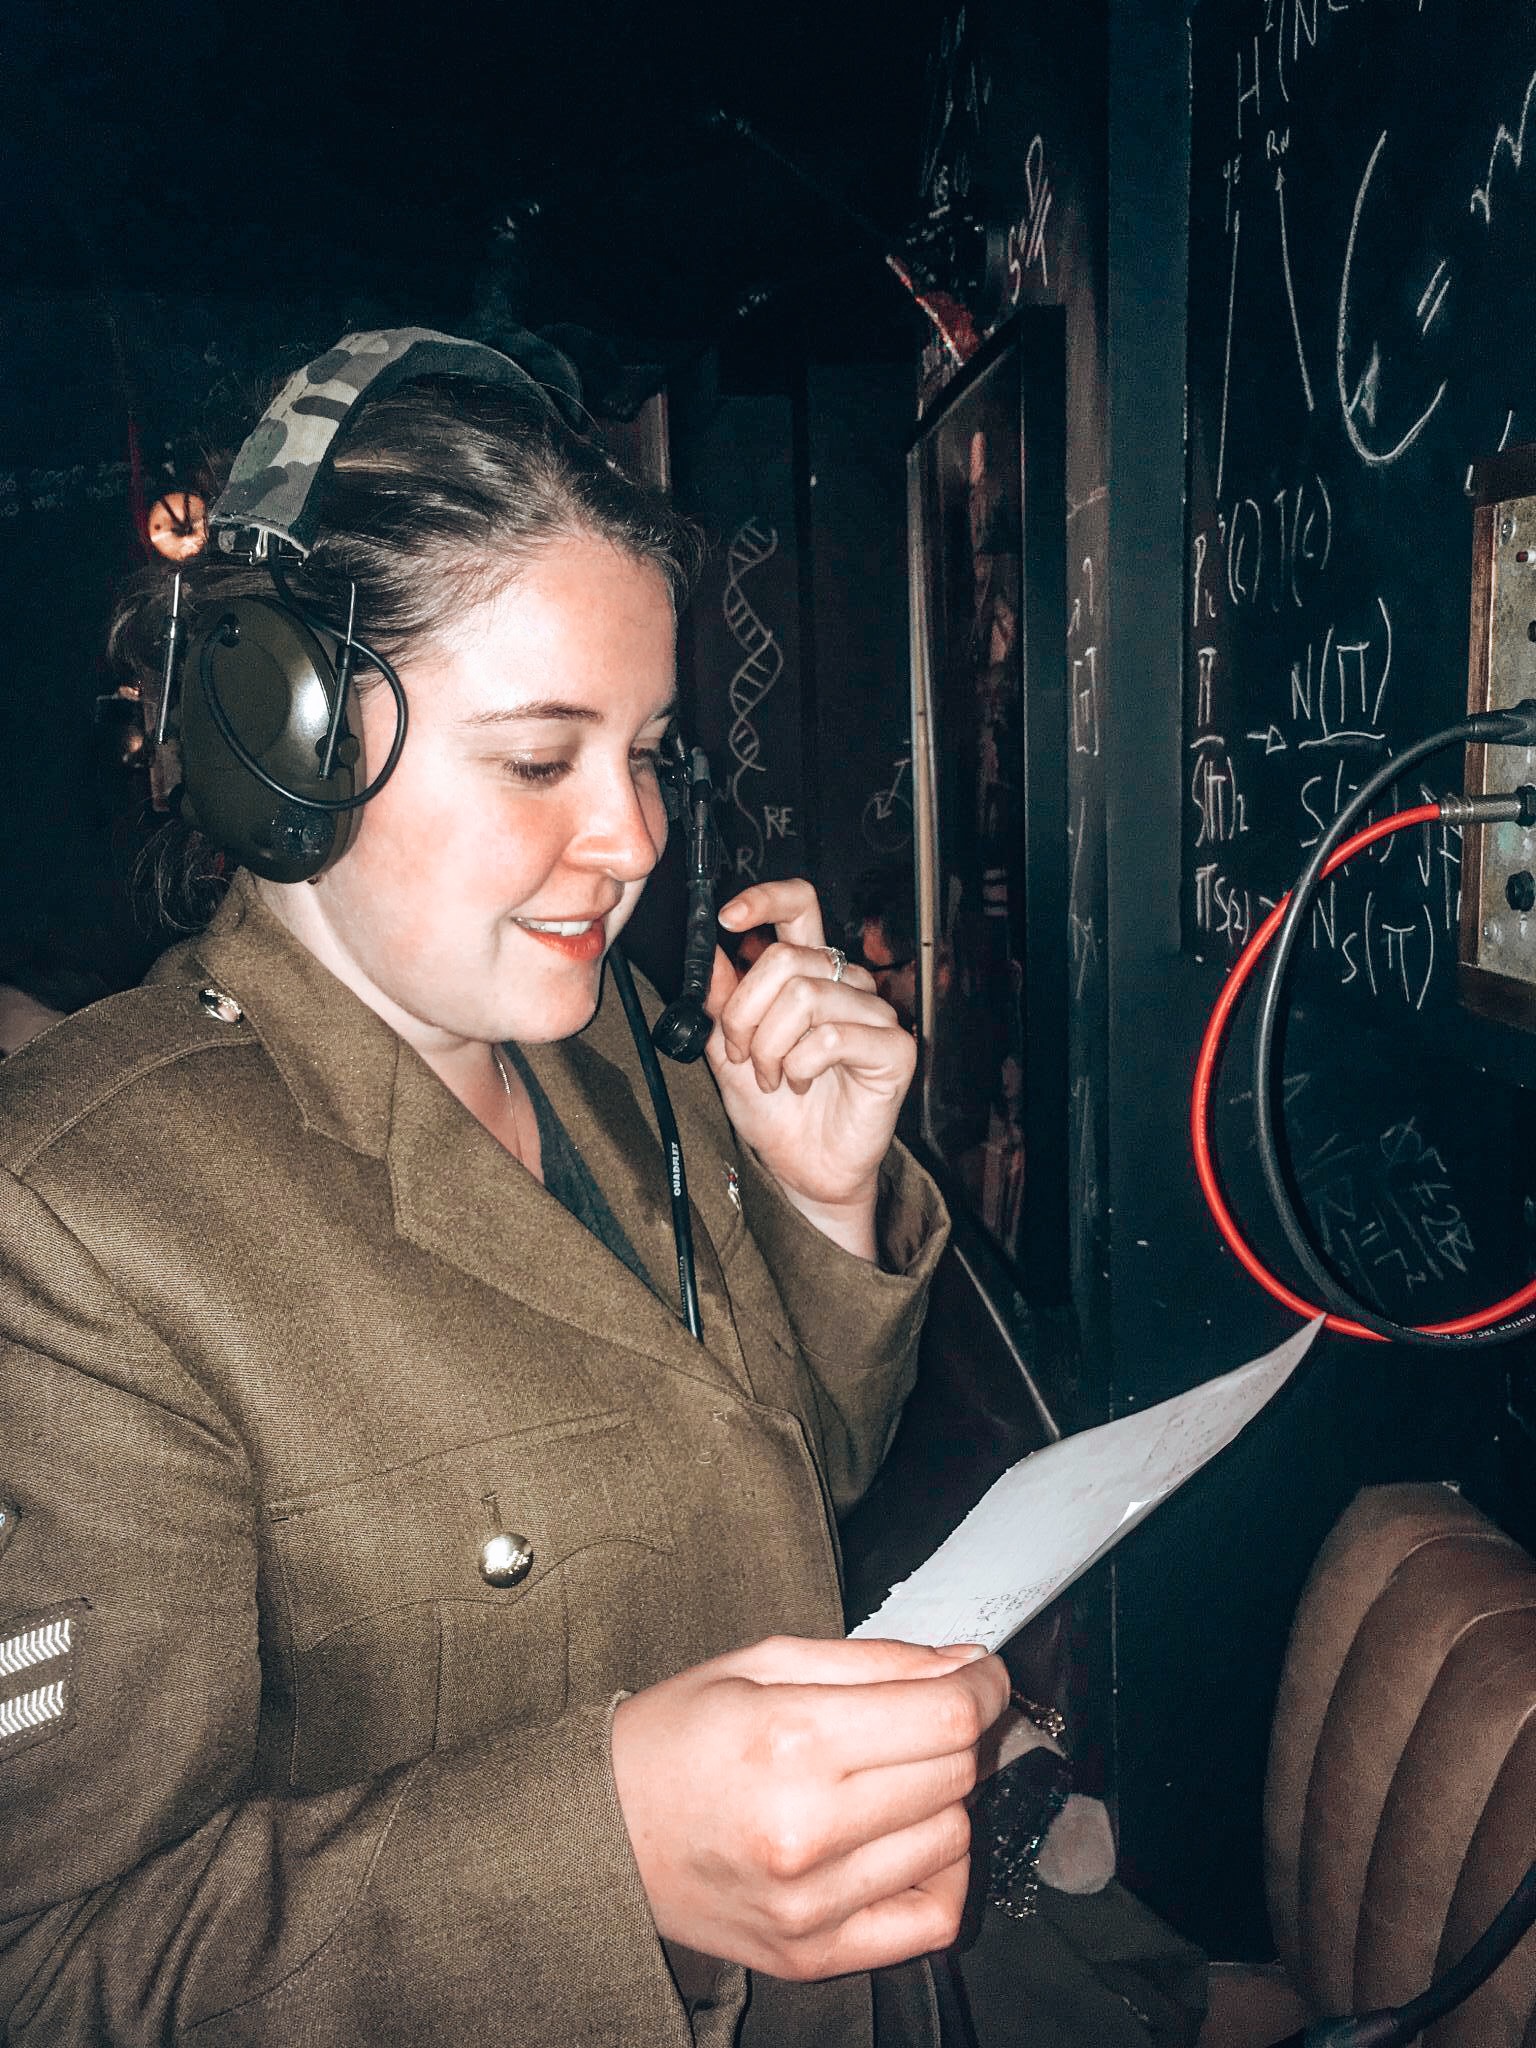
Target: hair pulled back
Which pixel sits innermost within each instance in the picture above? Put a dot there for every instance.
(439, 494)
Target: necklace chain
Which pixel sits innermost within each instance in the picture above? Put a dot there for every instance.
(506, 1088)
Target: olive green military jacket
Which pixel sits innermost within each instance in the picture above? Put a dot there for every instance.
(288, 1337)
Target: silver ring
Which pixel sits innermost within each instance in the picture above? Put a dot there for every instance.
(839, 960)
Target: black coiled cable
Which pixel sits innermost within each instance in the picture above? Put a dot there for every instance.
(1515, 727)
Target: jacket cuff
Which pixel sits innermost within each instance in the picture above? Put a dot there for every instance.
(844, 1308)
(514, 1849)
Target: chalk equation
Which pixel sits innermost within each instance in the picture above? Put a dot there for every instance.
(1278, 199)
(1274, 553)
(1386, 1210)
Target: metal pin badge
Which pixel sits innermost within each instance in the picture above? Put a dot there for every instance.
(733, 1188)
(506, 1558)
(219, 1005)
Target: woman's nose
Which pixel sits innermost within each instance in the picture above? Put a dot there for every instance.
(625, 831)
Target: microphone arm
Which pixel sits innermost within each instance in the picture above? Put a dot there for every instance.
(683, 1027)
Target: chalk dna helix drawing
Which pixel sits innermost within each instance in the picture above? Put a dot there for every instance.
(762, 664)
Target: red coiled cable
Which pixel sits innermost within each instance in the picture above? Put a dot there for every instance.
(1200, 1115)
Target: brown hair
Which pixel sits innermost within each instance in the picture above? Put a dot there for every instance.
(439, 494)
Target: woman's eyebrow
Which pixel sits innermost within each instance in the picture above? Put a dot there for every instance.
(552, 709)
(544, 707)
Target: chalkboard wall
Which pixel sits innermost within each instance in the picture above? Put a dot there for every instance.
(1360, 296)
(1292, 550)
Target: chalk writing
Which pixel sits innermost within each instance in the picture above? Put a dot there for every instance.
(1386, 1209)
(761, 666)
(1338, 689)
(886, 820)
(1082, 931)
(1503, 143)
(1025, 248)
(1085, 702)
(1226, 372)
(1221, 805)
(1363, 401)
(1272, 552)
(962, 87)
(52, 490)
(1224, 908)
(1357, 187)
(1290, 287)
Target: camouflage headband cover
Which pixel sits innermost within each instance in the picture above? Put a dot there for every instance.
(272, 483)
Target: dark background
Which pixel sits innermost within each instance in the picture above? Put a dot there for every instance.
(198, 200)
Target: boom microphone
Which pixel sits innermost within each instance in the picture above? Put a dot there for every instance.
(683, 1028)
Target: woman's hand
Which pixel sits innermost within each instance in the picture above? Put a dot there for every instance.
(799, 1807)
(812, 1071)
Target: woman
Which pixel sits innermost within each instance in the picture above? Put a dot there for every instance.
(350, 1474)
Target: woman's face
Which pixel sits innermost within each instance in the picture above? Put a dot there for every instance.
(505, 854)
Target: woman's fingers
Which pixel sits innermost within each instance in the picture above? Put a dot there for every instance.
(800, 976)
(850, 1660)
(821, 1137)
(799, 1807)
(915, 1922)
(919, 1720)
(876, 1054)
(724, 979)
(818, 1916)
(872, 1804)
(763, 1026)
(790, 907)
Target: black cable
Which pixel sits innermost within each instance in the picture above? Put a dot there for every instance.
(666, 1124)
(1515, 727)
(248, 760)
(1396, 2026)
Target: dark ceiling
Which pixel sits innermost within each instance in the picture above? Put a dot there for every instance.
(336, 149)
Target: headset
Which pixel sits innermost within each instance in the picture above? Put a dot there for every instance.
(256, 698)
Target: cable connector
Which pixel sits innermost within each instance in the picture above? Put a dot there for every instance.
(1515, 726)
(1511, 807)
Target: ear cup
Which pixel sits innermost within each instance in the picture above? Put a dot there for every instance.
(260, 671)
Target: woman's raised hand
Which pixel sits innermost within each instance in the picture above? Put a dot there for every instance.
(799, 1806)
(812, 1071)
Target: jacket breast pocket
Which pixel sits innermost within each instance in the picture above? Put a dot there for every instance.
(402, 1639)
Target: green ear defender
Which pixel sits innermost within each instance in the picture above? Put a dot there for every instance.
(260, 692)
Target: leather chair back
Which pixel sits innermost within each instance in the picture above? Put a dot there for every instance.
(1400, 1803)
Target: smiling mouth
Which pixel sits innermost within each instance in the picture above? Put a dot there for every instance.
(577, 938)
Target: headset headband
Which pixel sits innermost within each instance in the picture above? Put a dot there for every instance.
(272, 483)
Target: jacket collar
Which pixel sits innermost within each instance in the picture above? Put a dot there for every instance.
(456, 1192)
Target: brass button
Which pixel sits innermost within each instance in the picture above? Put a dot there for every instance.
(505, 1560)
(220, 1005)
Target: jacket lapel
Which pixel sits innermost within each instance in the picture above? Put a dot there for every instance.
(456, 1192)
(460, 1196)
(598, 1102)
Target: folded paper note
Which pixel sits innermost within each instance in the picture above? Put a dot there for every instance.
(1059, 1510)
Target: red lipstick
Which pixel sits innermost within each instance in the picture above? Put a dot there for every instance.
(583, 945)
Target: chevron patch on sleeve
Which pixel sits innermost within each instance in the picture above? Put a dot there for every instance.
(36, 1673)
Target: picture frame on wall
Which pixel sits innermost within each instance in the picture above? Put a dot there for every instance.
(987, 558)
